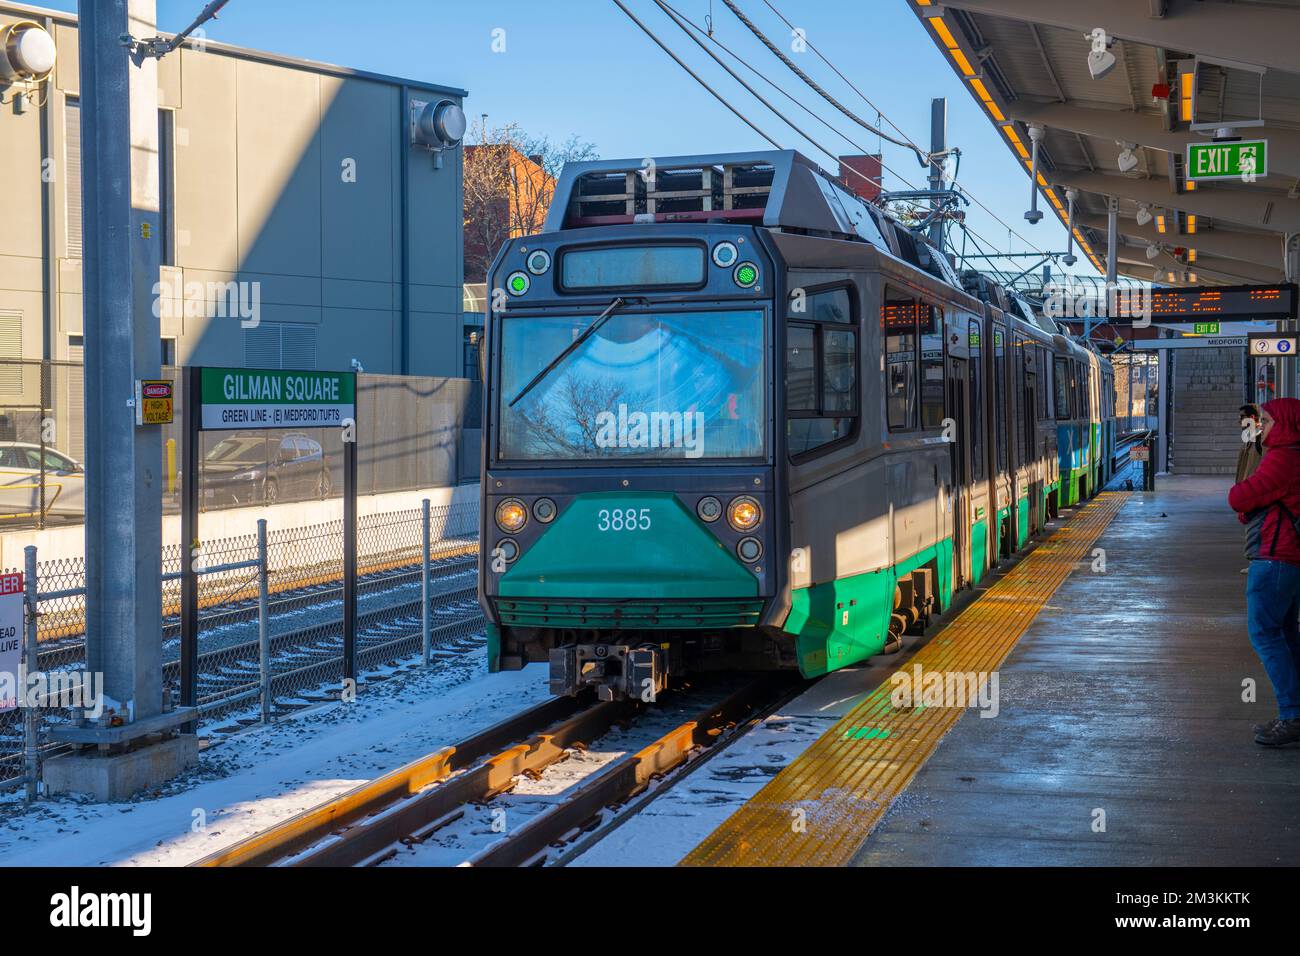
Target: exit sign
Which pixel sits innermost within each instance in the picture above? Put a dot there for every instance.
(1207, 328)
(1227, 160)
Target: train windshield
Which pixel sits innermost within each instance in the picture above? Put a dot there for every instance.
(679, 385)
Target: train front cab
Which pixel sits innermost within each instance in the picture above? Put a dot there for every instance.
(632, 515)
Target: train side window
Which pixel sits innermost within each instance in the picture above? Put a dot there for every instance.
(932, 377)
(976, 401)
(899, 320)
(821, 370)
(1043, 413)
(1061, 392)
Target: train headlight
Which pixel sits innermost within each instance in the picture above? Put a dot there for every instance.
(544, 510)
(507, 549)
(744, 513)
(709, 508)
(725, 254)
(512, 515)
(749, 549)
(746, 275)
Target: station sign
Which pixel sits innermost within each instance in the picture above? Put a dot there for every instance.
(1269, 344)
(1244, 159)
(154, 402)
(240, 398)
(11, 636)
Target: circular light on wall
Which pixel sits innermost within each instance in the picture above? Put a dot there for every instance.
(439, 125)
(725, 254)
(539, 260)
(746, 275)
(27, 51)
(518, 283)
(511, 515)
(744, 513)
(709, 508)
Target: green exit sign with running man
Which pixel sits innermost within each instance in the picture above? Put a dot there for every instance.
(1207, 328)
(1241, 159)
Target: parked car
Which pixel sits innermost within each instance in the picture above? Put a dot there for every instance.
(20, 481)
(254, 468)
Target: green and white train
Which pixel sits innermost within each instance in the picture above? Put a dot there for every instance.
(737, 418)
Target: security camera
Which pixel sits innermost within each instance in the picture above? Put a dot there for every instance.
(1100, 61)
(1070, 259)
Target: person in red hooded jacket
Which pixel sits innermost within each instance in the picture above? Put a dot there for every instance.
(1268, 503)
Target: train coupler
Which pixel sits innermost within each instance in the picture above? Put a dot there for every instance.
(615, 671)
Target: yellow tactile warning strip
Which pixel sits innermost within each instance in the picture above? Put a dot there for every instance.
(820, 808)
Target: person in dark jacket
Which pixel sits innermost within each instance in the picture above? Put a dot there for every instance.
(1252, 443)
(1268, 503)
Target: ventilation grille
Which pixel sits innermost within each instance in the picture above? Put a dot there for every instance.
(733, 190)
(71, 177)
(11, 352)
(280, 345)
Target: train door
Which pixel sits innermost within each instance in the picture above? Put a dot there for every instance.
(1032, 452)
(959, 493)
(1003, 465)
(980, 503)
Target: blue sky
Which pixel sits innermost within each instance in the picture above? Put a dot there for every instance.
(581, 67)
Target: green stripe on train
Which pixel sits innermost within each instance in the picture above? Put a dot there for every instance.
(846, 621)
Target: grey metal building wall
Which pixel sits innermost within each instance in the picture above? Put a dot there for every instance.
(258, 152)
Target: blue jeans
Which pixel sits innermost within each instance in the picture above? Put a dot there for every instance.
(1273, 619)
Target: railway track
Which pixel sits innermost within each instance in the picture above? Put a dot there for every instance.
(398, 812)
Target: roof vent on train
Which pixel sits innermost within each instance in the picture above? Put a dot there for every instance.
(780, 189)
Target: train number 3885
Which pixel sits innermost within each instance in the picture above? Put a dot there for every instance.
(623, 519)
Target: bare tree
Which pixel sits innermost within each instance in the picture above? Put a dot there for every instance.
(509, 181)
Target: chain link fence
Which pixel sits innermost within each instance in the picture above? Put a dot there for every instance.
(270, 614)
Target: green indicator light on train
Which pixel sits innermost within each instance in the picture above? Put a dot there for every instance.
(746, 274)
(517, 283)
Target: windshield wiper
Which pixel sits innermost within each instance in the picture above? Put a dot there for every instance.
(569, 349)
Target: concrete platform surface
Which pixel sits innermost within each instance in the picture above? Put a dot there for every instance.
(1123, 737)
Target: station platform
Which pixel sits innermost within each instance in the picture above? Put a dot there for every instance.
(1122, 729)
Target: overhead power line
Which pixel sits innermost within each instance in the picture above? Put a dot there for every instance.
(922, 157)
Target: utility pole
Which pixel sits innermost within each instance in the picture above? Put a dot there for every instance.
(938, 147)
(119, 141)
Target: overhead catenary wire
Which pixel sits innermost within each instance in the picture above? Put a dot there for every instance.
(922, 157)
(910, 143)
(650, 33)
(716, 95)
(672, 14)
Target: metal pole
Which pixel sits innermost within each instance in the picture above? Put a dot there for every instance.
(350, 559)
(31, 664)
(120, 272)
(191, 481)
(1112, 263)
(263, 620)
(426, 628)
(938, 144)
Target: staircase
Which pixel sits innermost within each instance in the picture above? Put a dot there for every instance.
(1209, 388)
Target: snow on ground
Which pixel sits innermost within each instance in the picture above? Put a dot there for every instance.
(682, 814)
(249, 781)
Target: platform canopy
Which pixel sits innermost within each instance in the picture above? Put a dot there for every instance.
(1182, 69)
